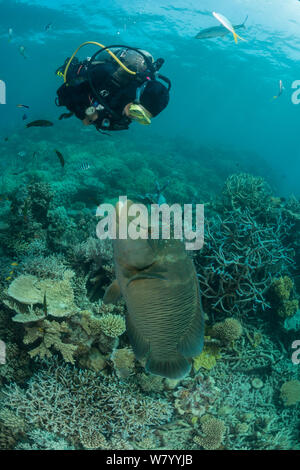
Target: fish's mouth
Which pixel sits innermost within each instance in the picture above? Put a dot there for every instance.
(139, 277)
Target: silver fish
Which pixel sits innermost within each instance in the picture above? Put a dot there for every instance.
(165, 321)
(280, 91)
(218, 31)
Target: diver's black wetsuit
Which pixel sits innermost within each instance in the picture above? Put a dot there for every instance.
(77, 95)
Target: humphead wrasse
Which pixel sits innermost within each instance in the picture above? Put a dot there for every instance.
(165, 321)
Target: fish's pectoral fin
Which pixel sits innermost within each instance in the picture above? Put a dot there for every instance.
(112, 293)
(174, 367)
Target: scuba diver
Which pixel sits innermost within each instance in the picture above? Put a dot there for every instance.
(111, 93)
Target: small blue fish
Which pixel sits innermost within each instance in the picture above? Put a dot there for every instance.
(48, 26)
(24, 117)
(10, 34)
(22, 154)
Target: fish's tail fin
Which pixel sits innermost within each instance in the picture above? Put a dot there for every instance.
(175, 367)
(236, 37)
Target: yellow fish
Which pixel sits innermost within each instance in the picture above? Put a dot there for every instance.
(165, 321)
(14, 264)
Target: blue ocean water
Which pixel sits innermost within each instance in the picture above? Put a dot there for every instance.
(70, 373)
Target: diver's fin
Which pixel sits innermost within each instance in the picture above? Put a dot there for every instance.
(139, 344)
(112, 293)
(175, 367)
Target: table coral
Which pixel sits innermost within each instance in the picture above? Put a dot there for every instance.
(30, 290)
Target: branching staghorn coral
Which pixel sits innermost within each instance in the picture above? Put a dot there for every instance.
(48, 267)
(43, 440)
(290, 392)
(16, 367)
(239, 258)
(245, 191)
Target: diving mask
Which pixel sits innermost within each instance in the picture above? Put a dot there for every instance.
(139, 114)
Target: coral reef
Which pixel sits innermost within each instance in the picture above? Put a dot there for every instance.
(73, 403)
(51, 335)
(56, 296)
(112, 325)
(213, 431)
(123, 361)
(227, 331)
(70, 380)
(244, 191)
(281, 293)
(238, 260)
